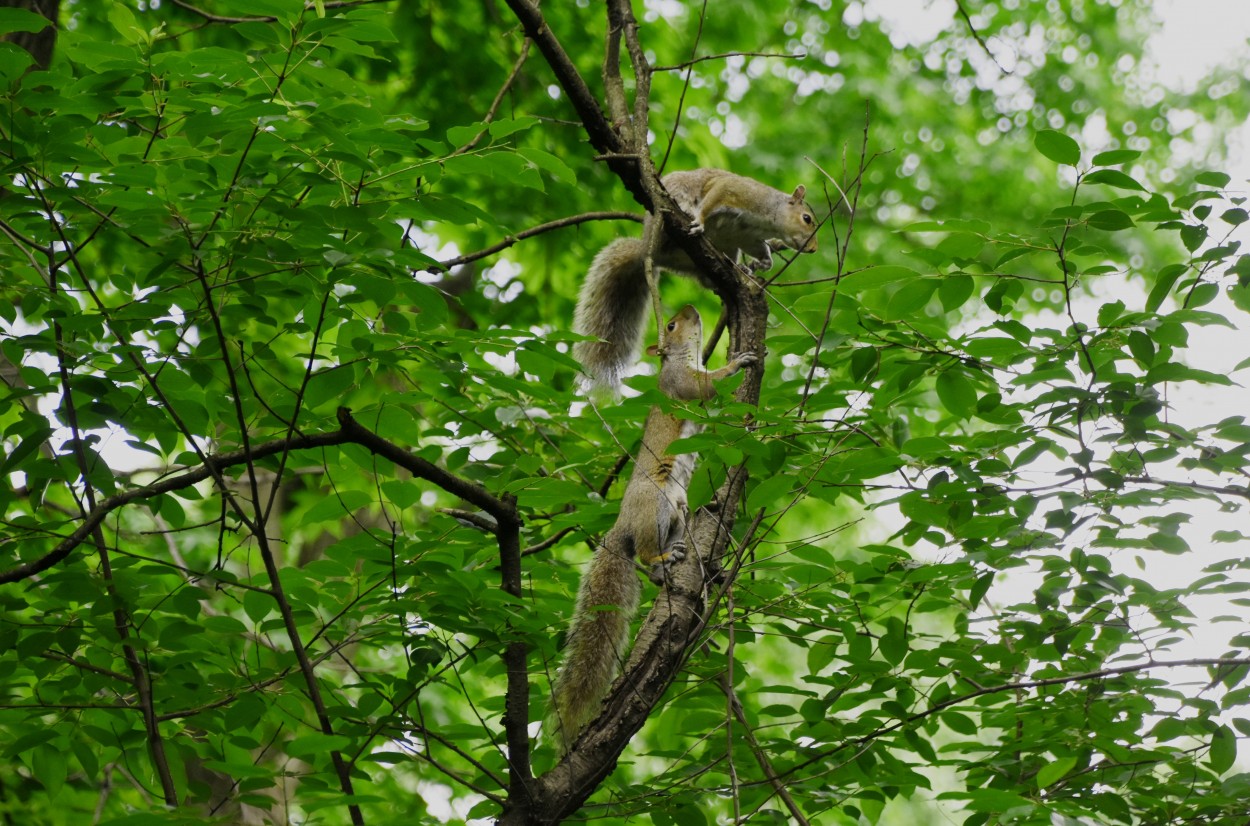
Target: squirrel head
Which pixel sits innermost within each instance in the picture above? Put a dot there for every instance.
(802, 229)
(682, 334)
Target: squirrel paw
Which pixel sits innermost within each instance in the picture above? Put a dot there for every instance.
(696, 227)
(665, 562)
(745, 359)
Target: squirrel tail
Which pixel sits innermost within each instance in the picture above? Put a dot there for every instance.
(612, 306)
(607, 600)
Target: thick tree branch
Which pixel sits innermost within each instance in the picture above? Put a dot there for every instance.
(603, 137)
(679, 615)
(504, 511)
(215, 464)
(680, 612)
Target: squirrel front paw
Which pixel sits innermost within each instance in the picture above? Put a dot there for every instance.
(696, 227)
(746, 359)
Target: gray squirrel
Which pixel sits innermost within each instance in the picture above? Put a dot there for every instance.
(651, 526)
(739, 215)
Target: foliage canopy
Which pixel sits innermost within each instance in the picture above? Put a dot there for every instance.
(228, 224)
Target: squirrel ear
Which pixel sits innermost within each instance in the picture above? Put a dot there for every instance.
(799, 192)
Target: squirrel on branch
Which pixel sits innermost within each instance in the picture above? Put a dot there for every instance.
(740, 216)
(651, 525)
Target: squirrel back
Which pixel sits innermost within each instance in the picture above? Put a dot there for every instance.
(651, 525)
(741, 217)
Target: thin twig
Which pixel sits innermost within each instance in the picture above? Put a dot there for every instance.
(510, 240)
(494, 105)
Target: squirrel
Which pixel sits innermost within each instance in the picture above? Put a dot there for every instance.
(651, 525)
(739, 215)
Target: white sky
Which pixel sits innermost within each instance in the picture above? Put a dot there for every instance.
(1198, 35)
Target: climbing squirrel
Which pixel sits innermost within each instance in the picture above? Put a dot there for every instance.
(651, 524)
(740, 216)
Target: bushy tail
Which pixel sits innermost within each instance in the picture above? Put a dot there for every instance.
(607, 600)
(612, 306)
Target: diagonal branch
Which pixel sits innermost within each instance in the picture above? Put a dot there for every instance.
(602, 136)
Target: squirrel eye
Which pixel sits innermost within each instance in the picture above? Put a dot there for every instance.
(807, 218)
(672, 325)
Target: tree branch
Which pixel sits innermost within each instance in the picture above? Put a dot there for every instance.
(510, 240)
(214, 464)
(1215, 662)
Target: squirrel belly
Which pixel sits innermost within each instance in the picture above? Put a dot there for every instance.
(741, 217)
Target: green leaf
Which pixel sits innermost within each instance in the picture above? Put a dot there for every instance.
(549, 163)
(893, 644)
(123, 20)
(991, 800)
(333, 508)
(1192, 236)
(1115, 157)
(1110, 220)
(910, 298)
(871, 278)
(22, 20)
(50, 766)
(1219, 180)
(1163, 285)
(257, 605)
(1054, 771)
(1235, 216)
(863, 362)
(1058, 147)
(34, 432)
(1142, 348)
(979, 589)
(508, 126)
(959, 723)
(961, 245)
(956, 392)
(1240, 296)
(1113, 177)
(1223, 749)
(955, 290)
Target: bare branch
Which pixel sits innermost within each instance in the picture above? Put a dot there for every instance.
(510, 240)
(977, 36)
(677, 67)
